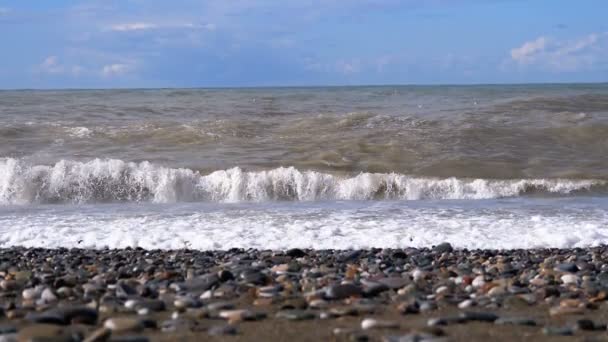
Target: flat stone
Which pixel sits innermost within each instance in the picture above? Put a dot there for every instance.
(515, 321)
(566, 267)
(220, 330)
(65, 316)
(570, 279)
(440, 321)
(124, 324)
(199, 284)
(394, 283)
(296, 315)
(241, 315)
(479, 316)
(558, 331)
(372, 323)
(342, 291)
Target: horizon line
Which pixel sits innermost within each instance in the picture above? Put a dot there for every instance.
(314, 86)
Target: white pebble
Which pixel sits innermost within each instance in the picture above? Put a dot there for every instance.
(478, 281)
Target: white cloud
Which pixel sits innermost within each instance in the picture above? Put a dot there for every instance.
(562, 55)
(529, 50)
(145, 26)
(51, 66)
(117, 69)
(4, 11)
(133, 27)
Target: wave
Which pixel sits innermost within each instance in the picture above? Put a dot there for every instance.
(110, 180)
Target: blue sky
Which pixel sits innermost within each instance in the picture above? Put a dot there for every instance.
(198, 43)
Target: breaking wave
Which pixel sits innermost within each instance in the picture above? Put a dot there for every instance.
(110, 180)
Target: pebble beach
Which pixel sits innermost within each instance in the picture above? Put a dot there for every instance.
(428, 294)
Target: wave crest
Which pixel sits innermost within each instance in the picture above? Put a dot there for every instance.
(108, 180)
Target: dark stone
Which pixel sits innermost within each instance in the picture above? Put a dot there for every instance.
(124, 290)
(479, 316)
(295, 253)
(558, 331)
(515, 321)
(445, 321)
(219, 330)
(399, 255)
(584, 324)
(374, 289)
(342, 291)
(567, 267)
(254, 277)
(445, 247)
(65, 316)
(199, 284)
(225, 275)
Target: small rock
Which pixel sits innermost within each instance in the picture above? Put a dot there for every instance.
(221, 330)
(566, 267)
(372, 323)
(295, 253)
(515, 321)
(445, 321)
(342, 291)
(30, 294)
(479, 316)
(443, 248)
(570, 279)
(124, 324)
(558, 331)
(296, 315)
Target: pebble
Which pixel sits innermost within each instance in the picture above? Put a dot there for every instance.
(478, 316)
(443, 248)
(296, 315)
(124, 324)
(342, 291)
(515, 321)
(558, 331)
(201, 286)
(372, 323)
(570, 279)
(221, 330)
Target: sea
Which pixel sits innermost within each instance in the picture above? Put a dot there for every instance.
(484, 166)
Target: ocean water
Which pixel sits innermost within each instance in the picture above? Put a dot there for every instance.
(518, 166)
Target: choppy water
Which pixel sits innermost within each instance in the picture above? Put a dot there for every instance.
(249, 167)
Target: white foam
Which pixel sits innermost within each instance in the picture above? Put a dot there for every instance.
(497, 224)
(107, 180)
(79, 132)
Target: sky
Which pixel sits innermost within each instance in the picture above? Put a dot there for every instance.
(225, 43)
